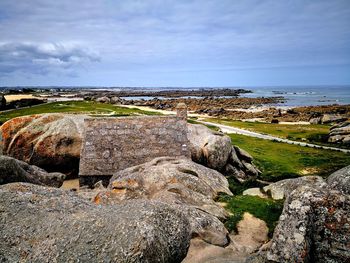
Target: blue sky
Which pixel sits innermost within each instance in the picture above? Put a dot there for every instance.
(174, 43)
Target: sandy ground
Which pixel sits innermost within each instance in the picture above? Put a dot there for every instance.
(18, 97)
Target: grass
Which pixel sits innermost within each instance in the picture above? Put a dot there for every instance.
(279, 161)
(267, 210)
(86, 107)
(313, 133)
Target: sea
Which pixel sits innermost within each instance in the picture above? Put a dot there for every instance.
(295, 96)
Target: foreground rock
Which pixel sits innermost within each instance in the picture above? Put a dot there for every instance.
(313, 227)
(50, 141)
(252, 233)
(40, 224)
(314, 224)
(181, 183)
(215, 150)
(12, 170)
(283, 188)
(340, 133)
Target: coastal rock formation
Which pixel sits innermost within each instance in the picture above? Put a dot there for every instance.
(340, 133)
(340, 180)
(103, 100)
(181, 183)
(283, 188)
(41, 224)
(12, 170)
(50, 141)
(53, 142)
(214, 150)
(313, 227)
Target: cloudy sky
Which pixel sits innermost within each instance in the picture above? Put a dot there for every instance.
(174, 43)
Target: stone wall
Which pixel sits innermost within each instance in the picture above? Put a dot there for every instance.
(113, 144)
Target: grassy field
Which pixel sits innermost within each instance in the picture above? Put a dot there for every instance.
(280, 160)
(296, 132)
(86, 107)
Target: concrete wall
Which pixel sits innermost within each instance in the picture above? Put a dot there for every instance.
(113, 144)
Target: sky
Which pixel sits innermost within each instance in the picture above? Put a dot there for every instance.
(180, 43)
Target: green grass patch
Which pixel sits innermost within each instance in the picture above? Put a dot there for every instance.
(268, 210)
(313, 133)
(85, 107)
(279, 161)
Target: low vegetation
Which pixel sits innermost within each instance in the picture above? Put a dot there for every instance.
(86, 107)
(268, 210)
(315, 133)
(279, 161)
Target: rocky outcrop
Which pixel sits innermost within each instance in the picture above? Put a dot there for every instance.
(53, 142)
(215, 150)
(313, 227)
(12, 170)
(50, 141)
(340, 180)
(328, 118)
(181, 183)
(103, 100)
(340, 133)
(314, 224)
(283, 188)
(40, 224)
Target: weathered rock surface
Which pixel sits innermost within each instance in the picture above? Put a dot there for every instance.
(185, 185)
(340, 180)
(40, 224)
(340, 133)
(103, 99)
(50, 141)
(12, 170)
(283, 188)
(215, 150)
(252, 233)
(255, 192)
(313, 227)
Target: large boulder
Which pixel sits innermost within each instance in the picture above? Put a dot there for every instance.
(12, 170)
(313, 227)
(40, 224)
(283, 188)
(214, 150)
(50, 141)
(340, 180)
(340, 133)
(181, 183)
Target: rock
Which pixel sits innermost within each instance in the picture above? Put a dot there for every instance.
(208, 147)
(329, 118)
(50, 141)
(12, 170)
(315, 120)
(313, 227)
(181, 183)
(243, 155)
(103, 100)
(215, 150)
(2, 102)
(255, 192)
(340, 133)
(116, 100)
(252, 233)
(40, 224)
(283, 188)
(340, 180)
